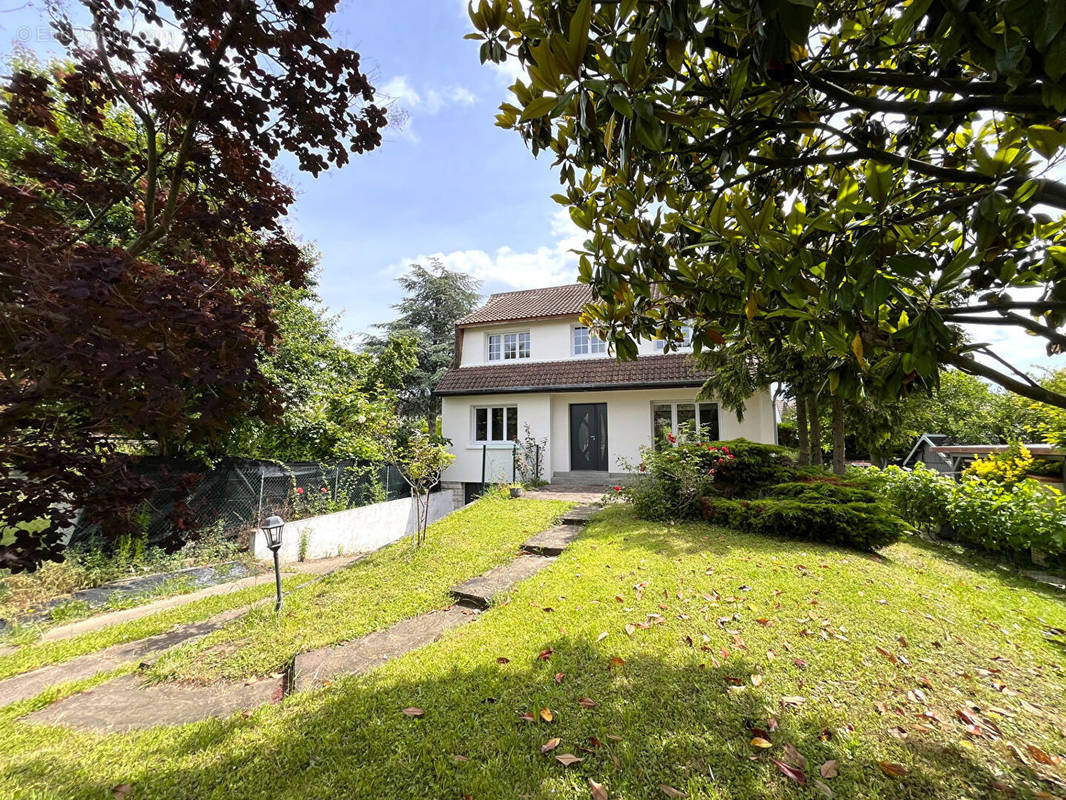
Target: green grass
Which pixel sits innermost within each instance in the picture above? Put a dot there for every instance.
(389, 585)
(39, 654)
(670, 706)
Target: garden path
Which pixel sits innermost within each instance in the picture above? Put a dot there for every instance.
(123, 704)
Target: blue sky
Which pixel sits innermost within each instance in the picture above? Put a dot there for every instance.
(445, 182)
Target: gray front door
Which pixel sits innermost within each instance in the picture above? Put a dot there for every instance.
(588, 437)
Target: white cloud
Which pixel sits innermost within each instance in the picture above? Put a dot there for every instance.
(429, 101)
(548, 265)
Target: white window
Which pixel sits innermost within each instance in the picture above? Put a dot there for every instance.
(686, 341)
(508, 346)
(495, 424)
(673, 417)
(587, 343)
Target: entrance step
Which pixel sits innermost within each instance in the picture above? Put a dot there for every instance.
(581, 478)
(318, 667)
(479, 591)
(124, 705)
(552, 541)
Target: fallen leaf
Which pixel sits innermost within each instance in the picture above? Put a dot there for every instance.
(601, 637)
(413, 711)
(527, 717)
(503, 660)
(890, 656)
(546, 714)
(756, 680)
(617, 661)
(586, 702)
(795, 757)
(1039, 755)
(830, 769)
(597, 790)
(630, 627)
(121, 791)
(550, 745)
(759, 741)
(823, 788)
(892, 770)
(457, 757)
(670, 791)
(566, 759)
(792, 772)
(795, 700)
(544, 655)
(559, 677)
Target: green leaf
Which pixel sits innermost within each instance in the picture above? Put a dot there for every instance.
(538, 107)
(621, 105)
(1045, 139)
(878, 181)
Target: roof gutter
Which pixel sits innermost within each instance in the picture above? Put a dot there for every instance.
(578, 387)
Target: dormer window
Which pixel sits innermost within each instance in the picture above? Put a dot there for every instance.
(508, 346)
(587, 343)
(686, 341)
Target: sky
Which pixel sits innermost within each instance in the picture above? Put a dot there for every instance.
(446, 181)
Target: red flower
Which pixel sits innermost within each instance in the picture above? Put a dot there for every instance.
(324, 490)
(618, 488)
(671, 437)
(299, 490)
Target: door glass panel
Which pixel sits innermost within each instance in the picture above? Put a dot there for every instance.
(497, 424)
(663, 422)
(709, 421)
(512, 422)
(686, 413)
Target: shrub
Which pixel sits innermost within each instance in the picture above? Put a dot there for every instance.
(753, 466)
(668, 481)
(865, 526)
(1009, 467)
(1011, 517)
(822, 491)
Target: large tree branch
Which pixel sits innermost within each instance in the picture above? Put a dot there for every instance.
(1032, 391)
(910, 80)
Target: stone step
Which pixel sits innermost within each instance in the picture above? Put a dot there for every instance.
(579, 515)
(480, 590)
(317, 667)
(124, 705)
(552, 541)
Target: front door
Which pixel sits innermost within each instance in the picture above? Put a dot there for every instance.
(588, 437)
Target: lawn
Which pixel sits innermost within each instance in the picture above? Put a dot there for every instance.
(389, 585)
(685, 657)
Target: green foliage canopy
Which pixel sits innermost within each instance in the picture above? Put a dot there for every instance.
(874, 174)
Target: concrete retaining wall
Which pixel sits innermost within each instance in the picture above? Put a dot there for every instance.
(358, 530)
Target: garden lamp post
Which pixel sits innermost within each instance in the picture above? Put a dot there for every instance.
(272, 528)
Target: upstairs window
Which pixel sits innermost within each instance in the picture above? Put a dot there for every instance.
(508, 346)
(686, 341)
(495, 424)
(587, 343)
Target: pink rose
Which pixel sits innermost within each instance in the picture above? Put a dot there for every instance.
(299, 490)
(324, 490)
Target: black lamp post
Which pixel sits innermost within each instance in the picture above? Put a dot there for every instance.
(272, 528)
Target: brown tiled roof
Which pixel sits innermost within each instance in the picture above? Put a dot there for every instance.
(554, 301)
(579, 374)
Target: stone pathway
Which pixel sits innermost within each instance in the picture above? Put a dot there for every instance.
(123, 704)
(318, 667)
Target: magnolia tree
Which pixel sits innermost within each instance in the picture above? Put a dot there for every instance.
(870, 175)
(142, 236)
(421, 459)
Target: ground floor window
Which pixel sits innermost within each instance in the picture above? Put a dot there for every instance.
(495, 423)
(672, 417)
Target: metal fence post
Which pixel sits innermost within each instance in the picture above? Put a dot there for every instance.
(484, 453)
(262, 479)
(514, 462)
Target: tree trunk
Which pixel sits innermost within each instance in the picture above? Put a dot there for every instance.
(838, 434)
(816, 430)
(801, 430)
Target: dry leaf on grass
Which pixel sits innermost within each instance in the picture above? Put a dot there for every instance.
(670, 791)
(551, 744)
(546, 714)
(586, 702)
(566, 759)
(793, 773)
(830, 769)
(122, 791)
(892, 770)
(762, 743)
(413, 711)
(597, 790)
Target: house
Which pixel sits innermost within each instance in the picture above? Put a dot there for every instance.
(925, 453)
(524, 359)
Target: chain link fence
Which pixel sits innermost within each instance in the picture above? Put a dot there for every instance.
(234, 496)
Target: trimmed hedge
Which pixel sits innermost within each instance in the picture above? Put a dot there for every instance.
(865, 526)
(754, 465)
(822, 492)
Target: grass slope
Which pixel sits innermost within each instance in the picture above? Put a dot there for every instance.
(675, 703)
(389, 585)
(39, 654)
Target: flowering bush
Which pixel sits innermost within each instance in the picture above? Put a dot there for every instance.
(1012, 517)
(669, 480)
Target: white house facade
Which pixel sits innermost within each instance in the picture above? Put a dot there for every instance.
(524, 359)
